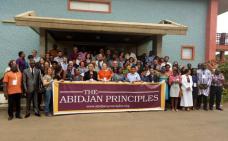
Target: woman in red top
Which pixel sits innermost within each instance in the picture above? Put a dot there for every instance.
(104, 74)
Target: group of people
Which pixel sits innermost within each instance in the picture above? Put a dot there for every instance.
(186, 87)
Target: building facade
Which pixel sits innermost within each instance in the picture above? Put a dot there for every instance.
(198, 45)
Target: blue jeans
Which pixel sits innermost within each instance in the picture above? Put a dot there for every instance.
(48, 101)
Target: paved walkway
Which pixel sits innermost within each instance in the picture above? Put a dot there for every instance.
(136, 126)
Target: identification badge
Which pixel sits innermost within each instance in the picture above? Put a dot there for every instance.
(14, 82)
(194, 85)
(204, 76)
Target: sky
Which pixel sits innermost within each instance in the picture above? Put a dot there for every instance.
(222, 25)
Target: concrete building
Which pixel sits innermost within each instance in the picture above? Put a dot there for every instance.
(185, 30)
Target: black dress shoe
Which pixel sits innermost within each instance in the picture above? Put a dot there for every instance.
(205, 109)
(220, 109)
(27, 115)
(10, 118)
(37, 114)
(41, 109)
(19, 117)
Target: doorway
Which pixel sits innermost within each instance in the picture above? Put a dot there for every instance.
(92, 42)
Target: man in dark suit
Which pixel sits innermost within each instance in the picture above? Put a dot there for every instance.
(31, 83)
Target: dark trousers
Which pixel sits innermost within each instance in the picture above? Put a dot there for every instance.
(40, 99)
(216, 92)
(195, 96)
(14, 99)
(199, 101)
(32, 97)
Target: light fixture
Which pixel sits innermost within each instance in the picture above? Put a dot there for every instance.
(69, 37)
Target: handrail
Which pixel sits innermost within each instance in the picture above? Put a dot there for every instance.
(222, 39)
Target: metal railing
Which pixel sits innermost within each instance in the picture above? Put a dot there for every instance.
(222, 39)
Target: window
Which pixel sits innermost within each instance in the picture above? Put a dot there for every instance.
(102, 6)
(187, 52)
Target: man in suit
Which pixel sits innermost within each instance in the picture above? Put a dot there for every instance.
(31, 83)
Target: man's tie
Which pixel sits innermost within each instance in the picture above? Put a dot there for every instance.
(32, 73)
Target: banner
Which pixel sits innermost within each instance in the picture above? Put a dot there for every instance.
(92, 97)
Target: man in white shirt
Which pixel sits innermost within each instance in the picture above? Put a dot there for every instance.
(35, 57)
(100, 61)
(204, 84)
(59, 58)
(64, 64)
(150, 58)
(133, 76)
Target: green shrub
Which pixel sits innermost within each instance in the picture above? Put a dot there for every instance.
(225, 95)
(224, 68)
(1, 74)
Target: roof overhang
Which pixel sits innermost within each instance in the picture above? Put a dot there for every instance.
(223, 6)
(165, 27)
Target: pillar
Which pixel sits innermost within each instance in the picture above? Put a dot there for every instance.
(157, 45)
(211, 30)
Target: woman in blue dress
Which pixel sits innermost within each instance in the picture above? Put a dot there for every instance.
(164, 77)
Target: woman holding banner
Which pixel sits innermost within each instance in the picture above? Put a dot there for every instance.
(47, 82)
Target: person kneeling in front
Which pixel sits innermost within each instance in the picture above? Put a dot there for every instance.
(90, 75)
(133, 76)
(105, 74)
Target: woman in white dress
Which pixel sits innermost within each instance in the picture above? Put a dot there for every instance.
(186, 99)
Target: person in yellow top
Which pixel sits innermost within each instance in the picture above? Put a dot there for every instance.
(13, 90)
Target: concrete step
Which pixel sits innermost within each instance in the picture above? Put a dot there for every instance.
(4, 102)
